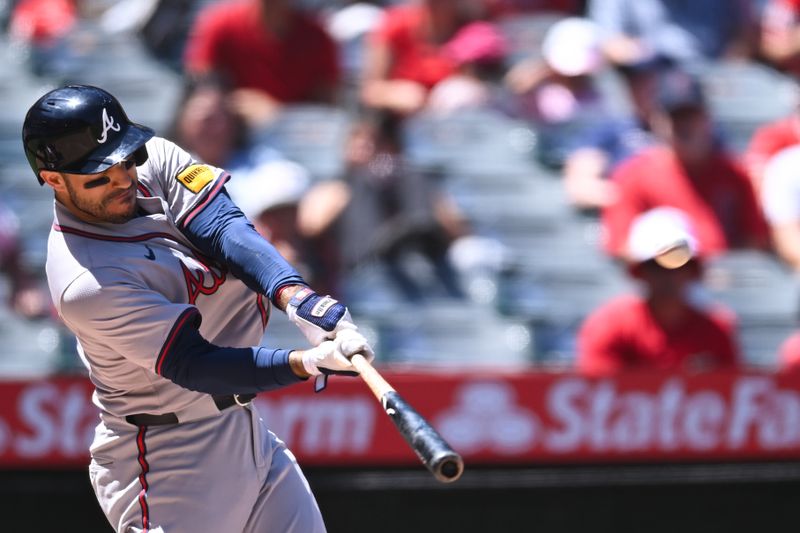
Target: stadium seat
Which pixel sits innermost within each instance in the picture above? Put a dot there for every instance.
(312, 135)
(737, 95)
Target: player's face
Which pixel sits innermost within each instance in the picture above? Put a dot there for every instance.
(109, 196)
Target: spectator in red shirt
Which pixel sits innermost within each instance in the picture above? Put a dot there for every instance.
(406, 54)
(479, 51)
(690, 172)
(270, 51)
(767, 141)
(665, 328)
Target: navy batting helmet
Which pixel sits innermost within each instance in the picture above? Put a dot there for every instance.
(80, 129)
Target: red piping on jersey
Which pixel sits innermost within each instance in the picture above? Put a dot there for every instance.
(264, 309)
(113, 238)
(187, 218)
(182, 319)
(140, 445)
(144, 190)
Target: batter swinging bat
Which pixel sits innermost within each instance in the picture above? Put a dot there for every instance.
(437, 456)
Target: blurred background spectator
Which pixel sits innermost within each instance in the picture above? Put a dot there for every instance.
(478, 51)
(780, 34)
(269, 50)
(384, 210)
(686, 33)
(690, 171)
(578, 128)
(768, 140)
(780, 196)
(26, 294)
(666, 327)
(406, 53)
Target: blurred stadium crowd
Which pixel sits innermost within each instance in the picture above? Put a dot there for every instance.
(483, 182)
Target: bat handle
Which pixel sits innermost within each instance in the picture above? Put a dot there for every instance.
(371, 377)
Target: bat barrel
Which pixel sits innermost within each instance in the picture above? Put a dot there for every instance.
(434, 452)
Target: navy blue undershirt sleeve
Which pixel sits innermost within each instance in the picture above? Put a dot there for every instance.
(195, 364)
(222, 232)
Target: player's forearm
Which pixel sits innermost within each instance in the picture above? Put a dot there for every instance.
(222, 232)
(195, 364)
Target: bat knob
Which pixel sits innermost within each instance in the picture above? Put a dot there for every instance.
(450, 468)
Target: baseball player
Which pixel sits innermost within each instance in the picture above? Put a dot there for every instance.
(168, 289)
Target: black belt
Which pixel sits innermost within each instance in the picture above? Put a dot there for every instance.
(222, 402)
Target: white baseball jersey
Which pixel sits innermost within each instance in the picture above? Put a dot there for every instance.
(124, 288)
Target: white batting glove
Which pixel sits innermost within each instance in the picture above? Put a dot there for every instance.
(325, 358)
(318, 317)
(350, 342)
(333, 357)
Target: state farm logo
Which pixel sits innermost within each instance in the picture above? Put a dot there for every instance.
(50, 420)
(339, 425)
(579, 416)
(485, 417)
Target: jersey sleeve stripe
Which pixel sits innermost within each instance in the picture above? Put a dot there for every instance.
(187, 316)
(144, 190)
(218, 185)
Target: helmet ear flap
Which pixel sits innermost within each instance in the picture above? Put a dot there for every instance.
(140, 156)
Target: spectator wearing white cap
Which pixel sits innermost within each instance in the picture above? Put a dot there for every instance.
(558, 86)
(664, 327)
(578, 129)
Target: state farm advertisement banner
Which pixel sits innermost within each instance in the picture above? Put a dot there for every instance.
(489, 419)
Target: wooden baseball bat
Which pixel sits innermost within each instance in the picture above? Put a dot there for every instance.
(444, 463)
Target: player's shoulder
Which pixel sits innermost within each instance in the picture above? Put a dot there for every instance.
(95, 294)
(160, 149)
(165, 160)
(69, 259)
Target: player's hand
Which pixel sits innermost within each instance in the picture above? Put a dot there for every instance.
(350, 342)
(333, 357)
(320, 318)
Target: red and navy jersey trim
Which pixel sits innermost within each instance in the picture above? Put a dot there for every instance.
(144, 190)
(187, 317)
(145, 468)
(188, 217)
(264, 309)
